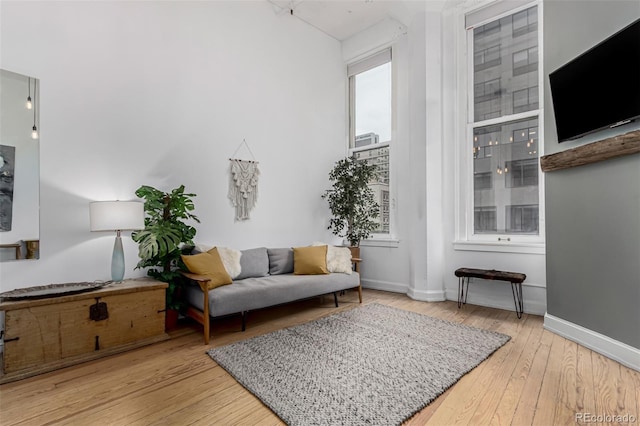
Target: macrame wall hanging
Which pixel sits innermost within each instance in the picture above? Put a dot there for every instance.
(243, 183)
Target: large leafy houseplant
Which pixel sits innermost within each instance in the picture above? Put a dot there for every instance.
(164, 233)
(352, 201)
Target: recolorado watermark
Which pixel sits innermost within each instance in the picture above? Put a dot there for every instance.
(584, 418)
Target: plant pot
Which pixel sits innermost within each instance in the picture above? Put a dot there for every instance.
(170, 319)
(355, 251)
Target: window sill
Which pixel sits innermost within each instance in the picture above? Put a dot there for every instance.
(506, 247)
(380, 242)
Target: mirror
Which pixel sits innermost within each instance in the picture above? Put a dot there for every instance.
(19, 167)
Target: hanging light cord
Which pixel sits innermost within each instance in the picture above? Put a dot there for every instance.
(29, 106)
(35, 88)
(34, 134)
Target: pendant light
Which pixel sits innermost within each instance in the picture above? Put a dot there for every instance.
(34, 133)
(29, 104)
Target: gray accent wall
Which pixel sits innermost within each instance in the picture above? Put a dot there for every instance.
(592, 211)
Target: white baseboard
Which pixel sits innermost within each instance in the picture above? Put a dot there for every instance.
(427, 296)
(618, 351)
(533, 304)
(385, 286)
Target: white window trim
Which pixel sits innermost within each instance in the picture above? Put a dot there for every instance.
(465, 239)
(372, 59)
(380, 242)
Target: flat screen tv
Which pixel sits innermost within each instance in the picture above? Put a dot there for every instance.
(600, 88)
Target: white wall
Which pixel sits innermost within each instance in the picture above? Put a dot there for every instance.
(162, 94)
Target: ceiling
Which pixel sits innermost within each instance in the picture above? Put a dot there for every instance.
(343, 18)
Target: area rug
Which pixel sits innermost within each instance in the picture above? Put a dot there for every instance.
(372, 365)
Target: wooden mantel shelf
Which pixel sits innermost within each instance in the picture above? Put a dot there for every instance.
(617, 146)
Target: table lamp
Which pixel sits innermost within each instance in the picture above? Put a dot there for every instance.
(116, 216)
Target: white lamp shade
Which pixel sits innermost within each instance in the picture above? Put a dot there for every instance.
(116, 215)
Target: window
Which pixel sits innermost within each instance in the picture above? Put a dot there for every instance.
(525, 61)
(525, 21)
(525, 99)
(487, 90)
(370, 123)
(482, 180)
(522, 219)
(485, 218)
(522, 173)
(487, 58)
(503, 123)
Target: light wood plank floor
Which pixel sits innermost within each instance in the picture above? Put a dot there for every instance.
(537, 378)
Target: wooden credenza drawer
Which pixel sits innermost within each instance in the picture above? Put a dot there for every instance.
(45, 334)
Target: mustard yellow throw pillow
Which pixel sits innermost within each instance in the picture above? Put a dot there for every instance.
(210, 265)
(310, 260)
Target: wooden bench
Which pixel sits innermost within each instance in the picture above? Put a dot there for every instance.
(515, 278)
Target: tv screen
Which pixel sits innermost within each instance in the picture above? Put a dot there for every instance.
(600, 88)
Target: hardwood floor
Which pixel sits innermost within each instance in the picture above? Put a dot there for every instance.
(537, 378)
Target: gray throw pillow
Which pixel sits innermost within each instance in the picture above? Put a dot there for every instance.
(253, 263)
(280, 261)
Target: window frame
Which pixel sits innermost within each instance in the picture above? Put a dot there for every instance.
(465, 237)
(357, 66)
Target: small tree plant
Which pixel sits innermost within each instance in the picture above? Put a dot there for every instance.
(352, 201)
(163, 235)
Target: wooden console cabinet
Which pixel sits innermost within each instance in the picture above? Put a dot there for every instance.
(42, 335)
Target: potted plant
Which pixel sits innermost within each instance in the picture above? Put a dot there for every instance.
(161, 239)
(351, 200)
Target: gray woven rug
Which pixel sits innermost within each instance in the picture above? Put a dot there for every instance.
(372, 365)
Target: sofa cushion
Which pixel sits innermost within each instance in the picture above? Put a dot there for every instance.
(339, 260)
(280, 260)
(210, 265)
(256, 293)
(231, 261)
(230, 257)
(310, 260)
(254, 263)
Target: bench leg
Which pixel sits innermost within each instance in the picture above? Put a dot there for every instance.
(462, 293)
(516, 289)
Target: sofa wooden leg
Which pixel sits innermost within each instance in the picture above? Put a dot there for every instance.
(360, 293)
(207, 325)
(335, 298)
(244, 320)
(201, 318)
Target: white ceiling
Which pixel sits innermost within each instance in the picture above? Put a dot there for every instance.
(343, 18)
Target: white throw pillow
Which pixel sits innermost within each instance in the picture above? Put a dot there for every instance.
(230, 258)
(338, 258)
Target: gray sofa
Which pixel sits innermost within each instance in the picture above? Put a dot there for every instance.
(267, 279)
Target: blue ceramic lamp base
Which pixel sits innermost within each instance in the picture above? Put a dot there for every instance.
(117, 260)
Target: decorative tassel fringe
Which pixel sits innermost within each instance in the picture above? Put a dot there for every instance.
(243, 187)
